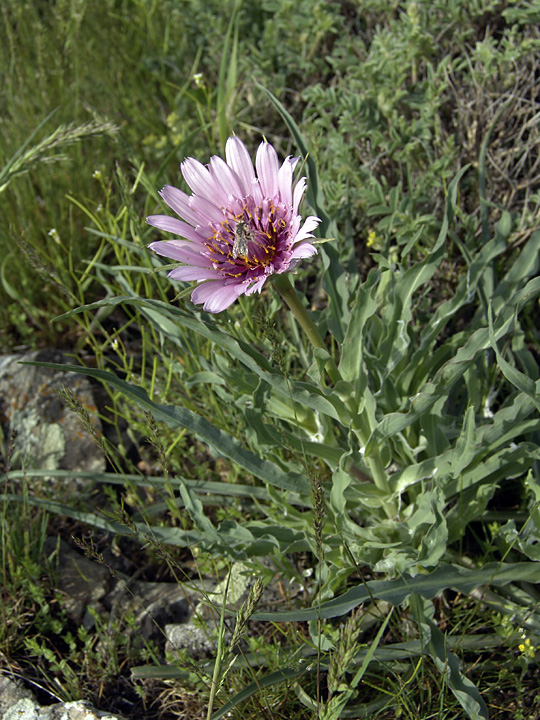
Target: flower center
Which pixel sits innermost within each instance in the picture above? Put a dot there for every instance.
(248, 240)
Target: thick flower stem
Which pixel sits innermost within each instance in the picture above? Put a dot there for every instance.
(283, 285)
(289, 294)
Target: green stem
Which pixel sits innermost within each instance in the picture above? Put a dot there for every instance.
(289, 294)
(214, 684)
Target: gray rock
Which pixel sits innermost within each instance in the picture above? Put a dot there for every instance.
(198, 636)
(24, 709)
(154, 603)
(49, 435)
(10, 693)
(82, 581)
(194, 639)
(30, 710)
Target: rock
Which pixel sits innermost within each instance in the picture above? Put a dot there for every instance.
(194, 639)
(49, 435)
(27, 709)
(83, 581)
(10, 693)
(198, 636)
(24, 709)
(18, 703)
(155, 604)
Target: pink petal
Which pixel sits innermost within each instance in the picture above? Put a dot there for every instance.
(304, 250)
(238, 158)
(267, 165)
(170, 224)
(206, 211)
(194, 273)
(256, 191)
(217, 296)
(182, 252)
(285, 175)
(310, 224)
(202, 183)
(179, 202)
(226, 177)
(257, 287)
(299, 190)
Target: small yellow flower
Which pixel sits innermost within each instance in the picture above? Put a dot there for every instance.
(373, 240)
(526, 647)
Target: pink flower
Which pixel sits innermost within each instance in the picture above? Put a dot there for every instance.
(239, 227)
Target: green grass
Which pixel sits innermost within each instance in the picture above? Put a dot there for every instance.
(395, 103)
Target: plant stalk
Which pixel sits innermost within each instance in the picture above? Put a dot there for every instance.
(283, 285)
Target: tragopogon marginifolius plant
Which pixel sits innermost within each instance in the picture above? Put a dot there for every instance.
(377, 443)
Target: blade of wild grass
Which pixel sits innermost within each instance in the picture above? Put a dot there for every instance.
(177, 417)
(239, 540)
(304, 393)
(67, 511)
(228, 76)
(170, 536)
(386, 654)
(220, 654)
(482, 184)
(44, 151)
(201, 486)
(274, 678)
(8, 169)
(335, 712)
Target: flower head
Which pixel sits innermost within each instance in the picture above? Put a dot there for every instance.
(239, 226)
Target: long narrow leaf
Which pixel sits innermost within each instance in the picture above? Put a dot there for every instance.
(454, 369)
(428, 586)
(399, 313)
(274, 678)
(200, 486)
(178, 417)
(386, 654)
(304, 393)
